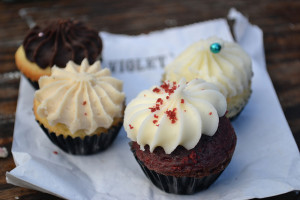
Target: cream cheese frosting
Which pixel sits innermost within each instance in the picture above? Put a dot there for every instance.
(174, 114)
(82, 97)
(230, 68)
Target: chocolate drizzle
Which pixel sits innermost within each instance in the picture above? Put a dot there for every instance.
(61, 41)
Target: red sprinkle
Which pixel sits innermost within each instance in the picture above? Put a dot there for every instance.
(156, 107)
(159, 100)
(165, 86)
(210, 113)
(84, 103)
(168, 89)
(157, 125)
(167, 97)
(55, 152)
(155, 121)
(155, 116)
(157, 90)
(131, 127)
(182, 100)
(153, 109)
(172, 115)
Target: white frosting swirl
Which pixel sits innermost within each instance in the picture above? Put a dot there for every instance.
(82, 97)
(160, 117)
(230, 69)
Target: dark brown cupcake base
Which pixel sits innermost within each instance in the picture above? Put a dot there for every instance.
(178, 185)
(86, 146)
(188, 171)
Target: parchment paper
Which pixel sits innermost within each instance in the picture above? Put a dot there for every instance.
(266, 161)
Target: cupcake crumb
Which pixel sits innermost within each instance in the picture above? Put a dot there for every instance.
(3, 152)
(41, 34)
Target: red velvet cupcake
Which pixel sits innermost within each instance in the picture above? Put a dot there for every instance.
(181, 138)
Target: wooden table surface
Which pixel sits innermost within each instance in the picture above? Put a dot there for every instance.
(279, 20)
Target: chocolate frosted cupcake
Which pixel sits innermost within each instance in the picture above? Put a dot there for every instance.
(220, 62)
(180, 136)
(56, 44)
(80, 107)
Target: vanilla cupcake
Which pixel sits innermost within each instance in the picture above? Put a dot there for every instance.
(55, 44)
(80, 107)
(180, 136)
(220, 62)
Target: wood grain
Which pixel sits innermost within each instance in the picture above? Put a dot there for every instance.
(279, 20)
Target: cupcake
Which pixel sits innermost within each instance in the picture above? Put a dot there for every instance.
(80, 107)
(55, 44)
(180, 136)
(220, 62)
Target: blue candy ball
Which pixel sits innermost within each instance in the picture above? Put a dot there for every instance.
(215, 47)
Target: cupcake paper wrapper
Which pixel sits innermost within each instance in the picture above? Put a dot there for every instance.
(178, 185)
(34, 84)
(87, 145)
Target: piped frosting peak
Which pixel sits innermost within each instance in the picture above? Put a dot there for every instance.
(174, 114)
(82, 97)
(215, 60)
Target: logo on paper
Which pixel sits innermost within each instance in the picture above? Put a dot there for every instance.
(137, 64)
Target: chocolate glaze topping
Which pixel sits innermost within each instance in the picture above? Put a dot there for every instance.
(61, 41)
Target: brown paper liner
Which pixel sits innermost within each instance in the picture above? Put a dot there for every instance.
(88, 145)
